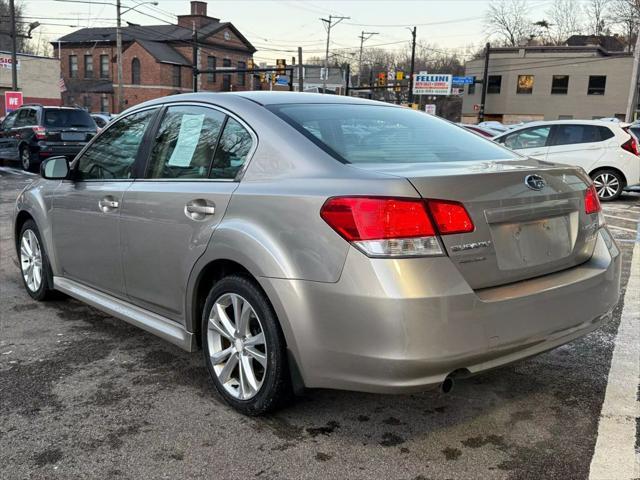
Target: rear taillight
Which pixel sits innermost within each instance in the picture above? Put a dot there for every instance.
(591, 200)
(450, 217)
(631, 145)
(41, 133)
(394, 227)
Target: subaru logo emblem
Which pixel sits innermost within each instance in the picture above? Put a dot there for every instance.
(534, 182)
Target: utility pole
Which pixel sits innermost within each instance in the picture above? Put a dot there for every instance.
(413, 63)
(14, 47)
(364, 36)
(331, 22)
(300, 71)
(194, 40)
(485, 81)
(633, 88)
(120, 94)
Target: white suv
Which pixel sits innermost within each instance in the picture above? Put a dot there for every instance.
(605, 150)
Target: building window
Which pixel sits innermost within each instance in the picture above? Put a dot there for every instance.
(597, 84)
(104, 104)
(104, 66)
(135, 71)
(560, 85)
(87, 102)
(494, 84)
(226, 78)
(88, 66)
(211, 65)
(565, 117)
(177, 76)
(241, 75)
(73, 66)
(525, 84)
(471, 89)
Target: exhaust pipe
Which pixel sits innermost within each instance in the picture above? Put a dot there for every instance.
(447, 385)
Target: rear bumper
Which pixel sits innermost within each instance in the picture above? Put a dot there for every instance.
(404, 325)
(54, 150)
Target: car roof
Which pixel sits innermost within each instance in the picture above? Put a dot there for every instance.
(562, 122)
(264, 98)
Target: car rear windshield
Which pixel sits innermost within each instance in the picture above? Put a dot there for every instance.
(385, 134)
(62, 118)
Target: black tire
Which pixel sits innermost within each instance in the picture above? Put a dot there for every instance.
(45, 289)
(275, 390)
(607, 180)
(27, 159)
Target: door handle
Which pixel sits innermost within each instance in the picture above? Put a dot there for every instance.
(199, 209)
(108, 204)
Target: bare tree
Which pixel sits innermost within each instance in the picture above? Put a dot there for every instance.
(564, 20)
(597, 16)
(508, 20)
(5, 25)
(626, 14)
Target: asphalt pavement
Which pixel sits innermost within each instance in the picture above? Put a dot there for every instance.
(84, 395)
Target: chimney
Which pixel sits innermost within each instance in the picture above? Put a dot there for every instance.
(198, 16)
(198, 8)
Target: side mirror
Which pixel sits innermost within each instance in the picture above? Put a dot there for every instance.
(55, 168)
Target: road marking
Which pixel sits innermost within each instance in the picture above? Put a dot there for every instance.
(621, 228)
(614, 456)
(620, 218)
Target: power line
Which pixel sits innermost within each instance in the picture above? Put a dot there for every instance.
(551, 66)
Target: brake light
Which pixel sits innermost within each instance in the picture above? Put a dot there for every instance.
(41, 132)
(591, 200)
(450, 217)
(383, 226)
(631, 145)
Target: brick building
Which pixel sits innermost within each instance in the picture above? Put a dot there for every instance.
(157, 60)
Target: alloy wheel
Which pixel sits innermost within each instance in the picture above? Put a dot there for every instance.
(607, 185)
(237, 346)
(31, 260)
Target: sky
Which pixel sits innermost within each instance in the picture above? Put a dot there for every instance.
(277, 28)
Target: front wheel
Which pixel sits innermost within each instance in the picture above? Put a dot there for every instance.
(243, 346)
(34, 264)
(609, 184)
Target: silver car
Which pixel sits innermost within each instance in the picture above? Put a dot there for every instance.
(306, 240)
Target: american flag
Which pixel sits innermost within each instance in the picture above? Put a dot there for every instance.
(61, 85)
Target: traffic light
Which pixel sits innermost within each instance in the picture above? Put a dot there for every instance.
(263, 77)
(382, 79)
(397, 88)
(399, 76)
(281, 64)
(250, 64)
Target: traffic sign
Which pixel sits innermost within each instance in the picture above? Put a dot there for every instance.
(430, 108)
(282, 80)
(431, 84)
(12, 101)
(463, 80)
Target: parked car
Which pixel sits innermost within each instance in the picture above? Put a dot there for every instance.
(35, 132)
(482, 131)
(493, 125)
(605, 150)
(295, 256)
(101, 119)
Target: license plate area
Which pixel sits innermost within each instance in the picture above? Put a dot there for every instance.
(521, 245)
(72, 136)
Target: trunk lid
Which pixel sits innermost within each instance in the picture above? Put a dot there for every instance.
(520, 232)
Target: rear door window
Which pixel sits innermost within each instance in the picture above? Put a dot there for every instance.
(576, 134)
(185, 142)
(232, 152)
(26, 118)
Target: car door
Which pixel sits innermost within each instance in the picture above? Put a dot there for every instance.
(532, 142)
(8, 144)
(579, 144)
(169, 217)
(86, 209)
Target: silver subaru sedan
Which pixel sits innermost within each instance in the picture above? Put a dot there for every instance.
(306, 241)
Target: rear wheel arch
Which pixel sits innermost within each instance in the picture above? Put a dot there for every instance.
(602, 169)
